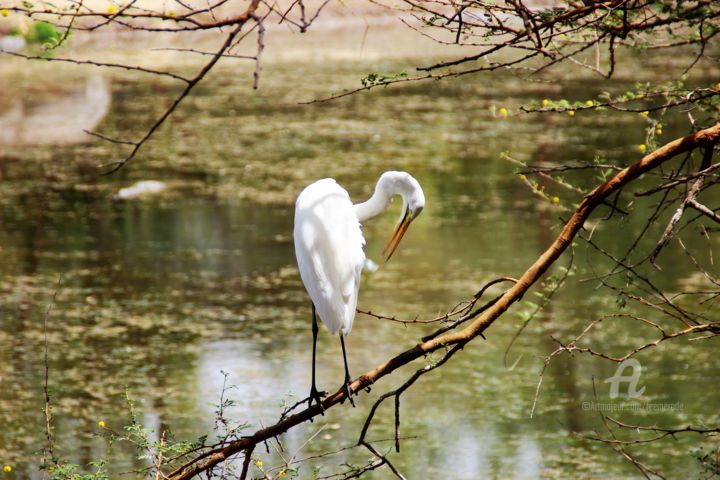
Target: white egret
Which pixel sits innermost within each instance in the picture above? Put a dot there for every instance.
(329, 249)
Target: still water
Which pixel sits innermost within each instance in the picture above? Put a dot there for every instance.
(157, 297)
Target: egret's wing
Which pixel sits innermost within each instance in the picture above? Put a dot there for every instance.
(329, 249)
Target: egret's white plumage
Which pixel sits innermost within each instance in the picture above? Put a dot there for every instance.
(329, 249)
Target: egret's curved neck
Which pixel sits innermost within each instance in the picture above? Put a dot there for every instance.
(390, 184)
(375, 205)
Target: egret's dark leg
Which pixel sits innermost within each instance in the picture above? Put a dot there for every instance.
(347, 372)
(314, 393)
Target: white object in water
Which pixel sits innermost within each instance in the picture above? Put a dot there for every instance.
(12, 43)
(141, 189)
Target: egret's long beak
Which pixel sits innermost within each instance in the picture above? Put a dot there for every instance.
(397, 235)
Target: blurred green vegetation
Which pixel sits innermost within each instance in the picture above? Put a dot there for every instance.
(43, 33)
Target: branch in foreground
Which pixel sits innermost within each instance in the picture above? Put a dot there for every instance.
(590, 202)
(621, 446)
(97, 64)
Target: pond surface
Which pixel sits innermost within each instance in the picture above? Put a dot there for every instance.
(157, 297)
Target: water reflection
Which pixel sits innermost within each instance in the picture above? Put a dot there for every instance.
(57, 119)
(528, 458)
(249, 383)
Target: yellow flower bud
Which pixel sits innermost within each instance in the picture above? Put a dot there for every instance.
(7, 469)
(112, 10)
(4, 12)
(571, 113)
(642, 147)
(523, 178)
(589, 103)
(556, 200)
(259, 463)
(545, 102)
(504, 112)
(646, 113)
(101, 424)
